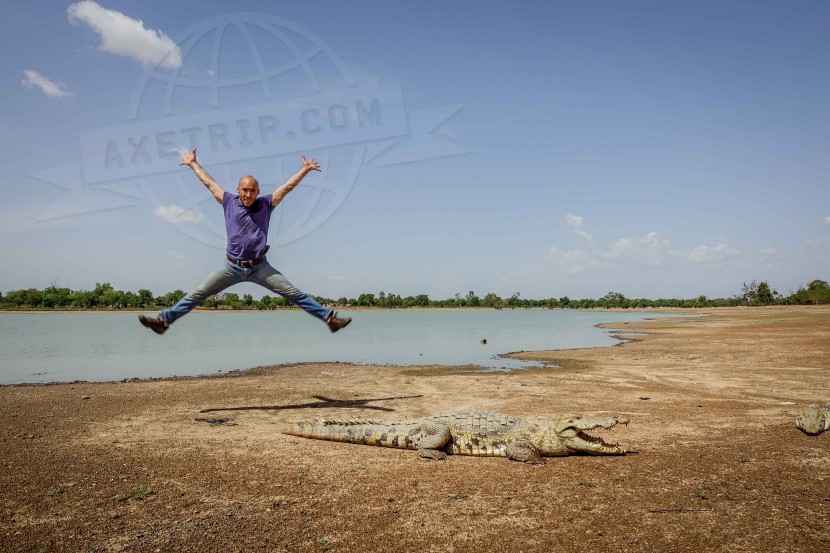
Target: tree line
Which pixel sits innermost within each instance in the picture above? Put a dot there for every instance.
(104, 296)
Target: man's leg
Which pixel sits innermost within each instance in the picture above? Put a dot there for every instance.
(267, 276)
(226, 276)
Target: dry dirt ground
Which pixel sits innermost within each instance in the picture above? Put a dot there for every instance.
(716, 461)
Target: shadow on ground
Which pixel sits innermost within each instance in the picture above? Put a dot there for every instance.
(321, 403)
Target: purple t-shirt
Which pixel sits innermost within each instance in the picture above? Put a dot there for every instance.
(247, 227)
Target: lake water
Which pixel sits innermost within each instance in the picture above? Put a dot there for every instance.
(98, 346)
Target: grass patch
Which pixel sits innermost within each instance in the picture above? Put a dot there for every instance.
(139, 492)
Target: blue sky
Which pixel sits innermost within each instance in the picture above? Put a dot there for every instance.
(663, 149)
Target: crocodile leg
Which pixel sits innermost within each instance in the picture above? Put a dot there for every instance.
(433, 437)
(520, 451)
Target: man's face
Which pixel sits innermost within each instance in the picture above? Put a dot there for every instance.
(248, 190)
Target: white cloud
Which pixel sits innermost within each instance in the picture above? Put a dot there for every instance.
(649, 250)
(708, 254)
(174, 255)
(48, 87)
(820, 243)
(826, 220)
(769, 253)
(573, 220)
(177, 215)
(576, 223)
(125, 36)
(643, 261)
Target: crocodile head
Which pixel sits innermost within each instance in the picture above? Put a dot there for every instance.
(572, 433)
(813, 420)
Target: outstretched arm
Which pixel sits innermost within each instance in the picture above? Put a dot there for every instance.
(309, 165)
(189, 159)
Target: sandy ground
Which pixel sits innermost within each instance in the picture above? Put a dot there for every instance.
(716, 461)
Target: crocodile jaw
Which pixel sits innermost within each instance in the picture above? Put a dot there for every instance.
(573, 433)
(812, 421)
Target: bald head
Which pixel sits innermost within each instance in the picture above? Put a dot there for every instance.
(248, 181)
(248, 190)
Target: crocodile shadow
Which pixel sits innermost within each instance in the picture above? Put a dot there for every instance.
(321, 403)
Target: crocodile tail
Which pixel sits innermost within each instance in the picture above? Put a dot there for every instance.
(355, 432)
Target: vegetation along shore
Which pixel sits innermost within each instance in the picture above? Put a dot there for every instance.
(104, 296)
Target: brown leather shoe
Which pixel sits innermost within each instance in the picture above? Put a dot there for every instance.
(336, 323)
(157, 325)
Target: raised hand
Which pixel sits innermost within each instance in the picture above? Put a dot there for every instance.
(308, 164)
(188, 157)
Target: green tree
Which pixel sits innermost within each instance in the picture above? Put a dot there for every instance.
(101, 290)
(394, 301)
(232, 300)
(56, 297)
(492, 300)
(818, 292)
(614, 299)
(83, 299)
(763, 294)
(108, 298)
(170, 298)
(145, 297)
(749, 292)
(33, 297)
(16, 298)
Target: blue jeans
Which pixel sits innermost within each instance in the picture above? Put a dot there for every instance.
(229, 274)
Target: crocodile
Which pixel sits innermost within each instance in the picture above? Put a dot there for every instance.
(814, 419)
(478, 433)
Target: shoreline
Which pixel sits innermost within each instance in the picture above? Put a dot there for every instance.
(715, 461)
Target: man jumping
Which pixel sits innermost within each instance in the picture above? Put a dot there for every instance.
(247, 217)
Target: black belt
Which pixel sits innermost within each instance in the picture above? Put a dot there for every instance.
(242, 263)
